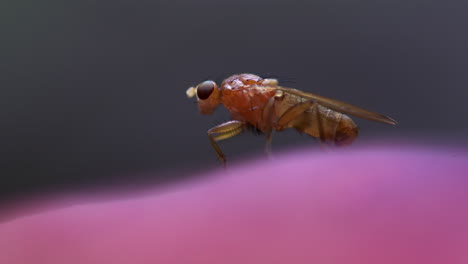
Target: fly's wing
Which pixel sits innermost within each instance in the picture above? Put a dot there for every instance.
(340, 106)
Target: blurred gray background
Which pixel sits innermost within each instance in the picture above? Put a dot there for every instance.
(94, 91)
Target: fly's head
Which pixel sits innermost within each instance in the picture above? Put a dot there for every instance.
(208, 96)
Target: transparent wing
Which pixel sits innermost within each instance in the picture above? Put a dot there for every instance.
(340, 106)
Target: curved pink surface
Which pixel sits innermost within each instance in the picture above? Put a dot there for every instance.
(363, 205)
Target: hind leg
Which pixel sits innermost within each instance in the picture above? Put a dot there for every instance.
(304, 117)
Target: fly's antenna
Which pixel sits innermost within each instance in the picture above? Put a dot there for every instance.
(191, 92)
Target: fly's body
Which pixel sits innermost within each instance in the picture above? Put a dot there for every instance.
(245, 98)
(263, 104)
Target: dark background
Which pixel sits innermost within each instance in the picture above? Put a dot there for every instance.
(94, 91)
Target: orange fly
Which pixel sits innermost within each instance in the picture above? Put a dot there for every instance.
(266, 106)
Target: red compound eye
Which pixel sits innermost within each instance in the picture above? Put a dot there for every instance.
(205, 89)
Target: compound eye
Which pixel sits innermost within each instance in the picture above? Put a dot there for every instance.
(205, 89)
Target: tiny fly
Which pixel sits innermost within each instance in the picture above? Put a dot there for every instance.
(266, 106)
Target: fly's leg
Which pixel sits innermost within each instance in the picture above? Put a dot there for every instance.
(295, 111)
(292, 113)
(269, 119)
(224, 131)
(269, 138)
(320, 127)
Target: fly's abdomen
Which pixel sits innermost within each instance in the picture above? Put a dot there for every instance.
(328, 125)
(346, 131)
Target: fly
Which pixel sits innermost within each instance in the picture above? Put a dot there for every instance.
(263, 104)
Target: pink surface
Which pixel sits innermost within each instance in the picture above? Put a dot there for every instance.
(362, 205)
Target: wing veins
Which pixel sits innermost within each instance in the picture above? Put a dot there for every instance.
(341, 107)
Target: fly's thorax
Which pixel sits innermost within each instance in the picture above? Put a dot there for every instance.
(241, 81)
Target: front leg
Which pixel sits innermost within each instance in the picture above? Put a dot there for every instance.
(224, 131)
